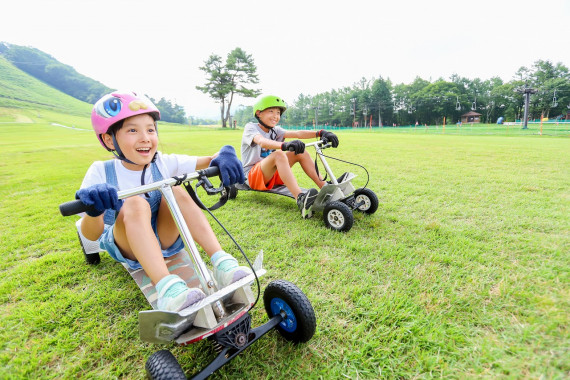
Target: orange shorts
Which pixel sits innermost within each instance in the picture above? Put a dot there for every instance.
(256, 182)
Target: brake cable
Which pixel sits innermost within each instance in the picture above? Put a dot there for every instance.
(202, 206)
(346, 162)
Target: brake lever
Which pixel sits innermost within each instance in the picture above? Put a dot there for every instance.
(208, 187)
(325, 146)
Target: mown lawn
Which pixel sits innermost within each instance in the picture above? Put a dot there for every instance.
(462, 272)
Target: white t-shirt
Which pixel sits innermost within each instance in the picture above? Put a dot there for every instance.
(169, 165)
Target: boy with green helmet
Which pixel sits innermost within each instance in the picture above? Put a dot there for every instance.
(267, 158)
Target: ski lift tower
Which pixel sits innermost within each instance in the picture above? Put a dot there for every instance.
(353, 112)
(317, 108)
(526, 91)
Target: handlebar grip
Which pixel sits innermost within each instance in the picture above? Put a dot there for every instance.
(212, 171)
(74, 207)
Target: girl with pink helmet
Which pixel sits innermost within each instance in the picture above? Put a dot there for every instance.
(139, 231)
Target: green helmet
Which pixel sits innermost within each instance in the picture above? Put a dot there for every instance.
(268, 102)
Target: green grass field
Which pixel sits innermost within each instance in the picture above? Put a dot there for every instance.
(463, 272)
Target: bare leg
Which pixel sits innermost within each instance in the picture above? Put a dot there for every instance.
(279, 161)
(226, 267)
(195, 219)
(135, 238)
(308, 166)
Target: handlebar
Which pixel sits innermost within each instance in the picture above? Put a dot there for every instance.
(76, 206)
(319, 144)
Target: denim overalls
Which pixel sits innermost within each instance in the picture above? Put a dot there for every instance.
(107, 240)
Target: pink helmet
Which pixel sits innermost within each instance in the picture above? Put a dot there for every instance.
(118, 106)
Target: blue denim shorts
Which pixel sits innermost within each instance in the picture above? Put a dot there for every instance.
(107, 243)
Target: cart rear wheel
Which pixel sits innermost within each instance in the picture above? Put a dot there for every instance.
(162, 365)
(90, 258)
(338, 216)
(369, 198)
(300, 322)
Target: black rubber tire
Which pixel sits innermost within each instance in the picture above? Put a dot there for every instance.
(162, 365)
(90, 258)
(233, 192)
(369, 197)
(302, 310)
(338, 216)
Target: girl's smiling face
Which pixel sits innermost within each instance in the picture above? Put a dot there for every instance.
(270, 116)
(138, 140)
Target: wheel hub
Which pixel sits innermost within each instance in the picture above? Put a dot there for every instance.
(335, 218)
(235, 335)
(240, 339)
(365, 200)
(278, 306)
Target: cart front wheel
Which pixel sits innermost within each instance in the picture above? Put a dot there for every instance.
(338, 216)
(369, 198)
(162, 365)
(299, 322)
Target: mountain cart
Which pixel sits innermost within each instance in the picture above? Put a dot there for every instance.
(336, 200)
(223, 316)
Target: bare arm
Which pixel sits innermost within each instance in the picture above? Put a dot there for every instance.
(303, 134)
(204, 161)
(271, 144)
(266, 143)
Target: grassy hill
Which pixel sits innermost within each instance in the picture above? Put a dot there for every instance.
(22, 91)
(34, 63)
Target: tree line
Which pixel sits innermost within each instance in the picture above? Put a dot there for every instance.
(378, 100)
(375, 101)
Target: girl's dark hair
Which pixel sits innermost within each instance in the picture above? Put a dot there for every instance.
(115, 127)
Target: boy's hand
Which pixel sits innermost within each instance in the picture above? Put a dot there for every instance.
(102, 196)
(327, 137)
(231, 169)
(296, 146)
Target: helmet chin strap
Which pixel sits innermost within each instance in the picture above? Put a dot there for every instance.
(262, 123)
(119, 154)
(272, 133)
(144, 169)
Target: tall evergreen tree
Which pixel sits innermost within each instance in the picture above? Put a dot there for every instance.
(224, 80)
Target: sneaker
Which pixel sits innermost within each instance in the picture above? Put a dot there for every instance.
(175, 295)
(305, 201)
(227, 270)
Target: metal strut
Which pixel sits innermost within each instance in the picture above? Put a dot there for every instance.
(234, 335)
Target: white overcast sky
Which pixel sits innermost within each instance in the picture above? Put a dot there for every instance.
(308, 47)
